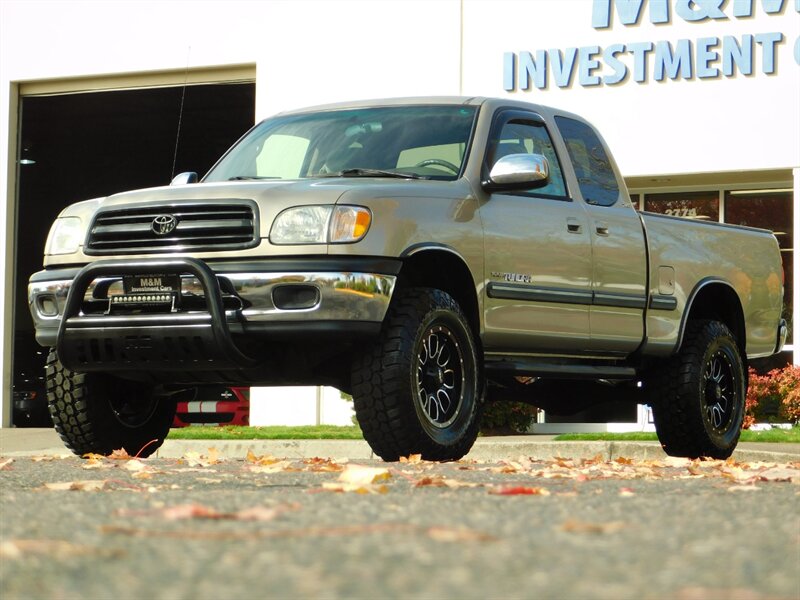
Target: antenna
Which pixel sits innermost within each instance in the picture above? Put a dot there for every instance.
(180, 114)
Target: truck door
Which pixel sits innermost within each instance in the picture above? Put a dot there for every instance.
(538, 251)
(618, 244)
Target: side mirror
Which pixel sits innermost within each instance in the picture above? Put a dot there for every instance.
(518, 172)
(184, 178)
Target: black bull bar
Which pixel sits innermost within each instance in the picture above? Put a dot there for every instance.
(177, 341)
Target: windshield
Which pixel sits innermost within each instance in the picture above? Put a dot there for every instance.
(427, 142)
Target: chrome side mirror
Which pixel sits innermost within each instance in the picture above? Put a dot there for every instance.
(184, 178)
(519, 171)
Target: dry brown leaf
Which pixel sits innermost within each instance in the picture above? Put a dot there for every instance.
(90, 485)
(359, 474)
(780, 474)
(120, 454)
(277, 467)
(264, 460)
(135, 465)
(195, 459)
(183, 512)
(366, 488)
(50, 457)
(520, 491)
(577, 526)
(324, 465)
(4, 464)
(743, 488)
(411, 459)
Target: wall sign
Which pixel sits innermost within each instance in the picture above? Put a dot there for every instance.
(683, 59)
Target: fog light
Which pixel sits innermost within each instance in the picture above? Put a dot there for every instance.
(46, 305)
(295, 297)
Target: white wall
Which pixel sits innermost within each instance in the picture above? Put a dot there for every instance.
(671, 126)
(299, 406)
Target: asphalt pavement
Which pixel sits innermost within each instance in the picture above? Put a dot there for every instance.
(207, 527)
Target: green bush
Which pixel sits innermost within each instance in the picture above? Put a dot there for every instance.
(507, 418)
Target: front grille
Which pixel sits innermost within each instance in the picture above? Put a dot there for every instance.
(210, 225)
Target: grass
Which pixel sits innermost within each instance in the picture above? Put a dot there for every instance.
(775, 436)
(277, 432)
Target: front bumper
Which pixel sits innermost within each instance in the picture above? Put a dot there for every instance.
(237, 299)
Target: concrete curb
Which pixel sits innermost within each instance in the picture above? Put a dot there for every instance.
(37, 442)
(486, 449)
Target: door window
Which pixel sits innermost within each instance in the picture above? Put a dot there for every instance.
(522, 137)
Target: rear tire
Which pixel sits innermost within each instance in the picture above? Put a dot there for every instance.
(418, 389)
(97, 413)
(698, 396)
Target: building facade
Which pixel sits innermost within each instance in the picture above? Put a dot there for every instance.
(698, 100)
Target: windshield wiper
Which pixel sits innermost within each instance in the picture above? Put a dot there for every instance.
(250, 177)
(359, 172)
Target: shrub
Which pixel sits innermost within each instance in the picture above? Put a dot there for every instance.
(774, 396)
(507, 417)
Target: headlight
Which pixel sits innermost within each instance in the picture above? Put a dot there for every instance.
(320, 225)
(65, 236)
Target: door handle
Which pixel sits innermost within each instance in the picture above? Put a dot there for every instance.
(573, 225)
(601, 228)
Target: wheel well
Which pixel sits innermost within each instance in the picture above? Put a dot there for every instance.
(719, 302)
(445, 271)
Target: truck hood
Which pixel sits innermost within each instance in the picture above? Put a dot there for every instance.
(271, 197)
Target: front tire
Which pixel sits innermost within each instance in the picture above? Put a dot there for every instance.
(97, 413)
(698, 399)
(417, 390)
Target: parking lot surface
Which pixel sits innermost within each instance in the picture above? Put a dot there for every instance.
(205, 526)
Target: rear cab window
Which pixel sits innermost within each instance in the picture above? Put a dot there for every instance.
(596, 178)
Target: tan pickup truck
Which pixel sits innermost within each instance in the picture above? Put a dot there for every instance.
(426, 256)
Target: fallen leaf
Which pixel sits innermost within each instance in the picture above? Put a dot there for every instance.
(136, 465)
(576, 526)
(50, 457)
(181, 512)
(264, 460)
(361, 475)
(271, 468)
(90, 485)
(743, 488)
(364, 488)
(431, 481)
(195, 459)
(520, 491)
(120, 454)
(4, 464)
(780, 474)
(324, 465)
(411, 459)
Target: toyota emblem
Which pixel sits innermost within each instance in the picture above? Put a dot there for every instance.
(164, 224)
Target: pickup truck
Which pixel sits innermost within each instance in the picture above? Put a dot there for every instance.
(427, 256)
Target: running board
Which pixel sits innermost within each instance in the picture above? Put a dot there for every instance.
(555, 368)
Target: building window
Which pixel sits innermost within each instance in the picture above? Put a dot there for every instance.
(768, 209)
(692, 205)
